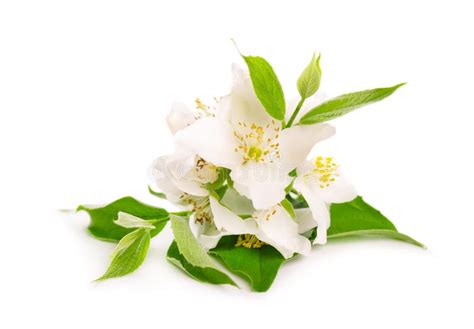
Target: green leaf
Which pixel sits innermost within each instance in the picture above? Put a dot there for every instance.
(203, 274)
(267, 86)
(258, 266)
(193, 254)
(346, 103)
(102, 224)
(310, 78)
(358, 218)
(160, 195)
(129, 254)
(395, 235)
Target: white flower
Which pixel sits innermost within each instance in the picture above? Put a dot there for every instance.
(244, 138)
(182, 173)
(321, 183)
(181, 177)
(273, 226)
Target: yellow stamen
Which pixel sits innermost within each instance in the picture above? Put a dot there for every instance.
(257, 143)
(326, 171)
(249, 241)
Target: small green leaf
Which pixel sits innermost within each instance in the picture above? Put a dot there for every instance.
(188, 246)
(129, 254)
(193, 254)
(203, 274)
(288, 207)
(358, 218)
(130, 221)
(258, 266)
(102, 224)
(346, 103)
(160, 195)
(267, 86)
(310, 78)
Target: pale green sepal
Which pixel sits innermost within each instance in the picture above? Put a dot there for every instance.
(102, 225)
(288, 207)
(130, 221)
(160, 195)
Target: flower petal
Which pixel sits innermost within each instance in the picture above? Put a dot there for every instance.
(338, 191)
(171, 174)
(161, 176)
(318, 206)
(179, 117)
(296, 142)
(225, 223)
(211, 139)
(190, 187)
(224, 219)
(211, 241)
(243, 102)
(341, 190)
(262, 183)
(237, 203)
(285, 252)
(324, 221)
(180, 163)
(305, 220)
(206, 233)
(223, 109)
(280, 231)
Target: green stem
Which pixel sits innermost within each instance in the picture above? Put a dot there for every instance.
(157, 221)
(295, 113)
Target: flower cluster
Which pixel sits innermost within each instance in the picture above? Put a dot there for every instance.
(262, 161)
(249, 194)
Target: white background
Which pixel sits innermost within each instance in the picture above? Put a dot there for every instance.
(84, 90)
